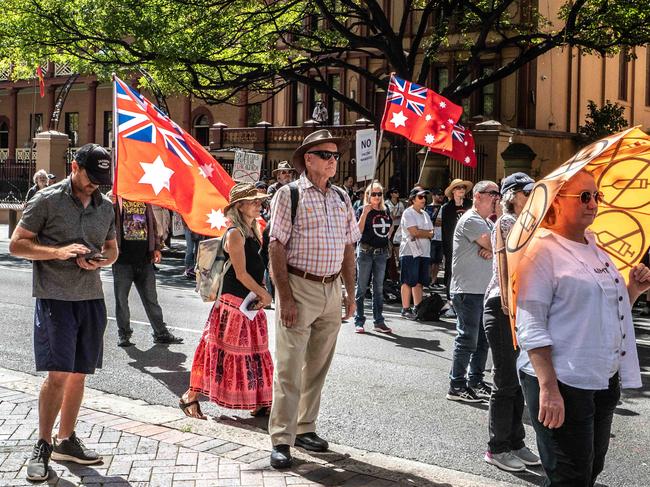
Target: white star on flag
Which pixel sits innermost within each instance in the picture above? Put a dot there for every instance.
(206, 170)
(399, 119)
(450, 120)
(465, 143)
(443, 104)
(443, 126)
(156, 174)
(429, 138)
(467, 160)
(216, 219)
(428, 117)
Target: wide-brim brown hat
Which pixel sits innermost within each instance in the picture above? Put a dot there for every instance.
(244, 192)
(316, 138)
(283, 166)
(454, 184)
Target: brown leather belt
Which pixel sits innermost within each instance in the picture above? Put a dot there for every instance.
(312, 277)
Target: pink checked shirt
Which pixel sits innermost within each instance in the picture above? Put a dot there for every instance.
(324, 225)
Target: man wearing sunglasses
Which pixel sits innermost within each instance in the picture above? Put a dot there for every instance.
(470, 276)
(310, 255)
(283, 174)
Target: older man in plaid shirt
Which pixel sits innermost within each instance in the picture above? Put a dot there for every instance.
(309, 256)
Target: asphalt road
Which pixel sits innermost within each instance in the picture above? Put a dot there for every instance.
(383, 393)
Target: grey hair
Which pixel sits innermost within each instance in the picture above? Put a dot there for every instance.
(481, 186)
(41, 173)
(508, 201)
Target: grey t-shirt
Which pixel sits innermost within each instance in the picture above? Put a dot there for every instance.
(471, 273)
(58, 218)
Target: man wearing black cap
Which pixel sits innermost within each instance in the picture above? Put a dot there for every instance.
(68, 231)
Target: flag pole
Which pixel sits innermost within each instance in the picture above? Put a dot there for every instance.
(381, 138)
(424, 164)
(113, 142)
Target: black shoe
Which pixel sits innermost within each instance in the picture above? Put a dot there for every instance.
(38, 466)
(167, 338)
(124, 342)
(73, 450)
(281, 456)
(463, 394)
(482, 390)
(311, 442)
(408, 314)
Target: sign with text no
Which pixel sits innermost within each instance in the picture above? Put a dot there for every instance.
(246, 167)
(366, 145)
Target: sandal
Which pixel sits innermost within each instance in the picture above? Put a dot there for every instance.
(185, 408)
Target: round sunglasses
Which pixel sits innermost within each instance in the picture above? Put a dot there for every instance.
(585, 196)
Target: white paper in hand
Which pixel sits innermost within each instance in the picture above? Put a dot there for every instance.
(249, 313)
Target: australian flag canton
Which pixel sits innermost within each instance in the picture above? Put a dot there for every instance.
(407, 94)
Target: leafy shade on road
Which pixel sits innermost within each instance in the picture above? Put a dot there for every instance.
(220, 49)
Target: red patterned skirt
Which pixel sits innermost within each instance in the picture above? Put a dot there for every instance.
(232, 365)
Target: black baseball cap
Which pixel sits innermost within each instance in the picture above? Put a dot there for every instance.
(517, 181)
(96, 161)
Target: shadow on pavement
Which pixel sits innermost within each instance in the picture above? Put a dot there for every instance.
(174, 375)
(87, 475)
(418, 344)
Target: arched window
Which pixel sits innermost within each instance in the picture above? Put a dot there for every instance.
(202, 130)
(4, 135)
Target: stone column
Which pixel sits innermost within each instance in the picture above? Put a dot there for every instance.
(13, 123)
(92, 111)
(434, 172)
(51, 147)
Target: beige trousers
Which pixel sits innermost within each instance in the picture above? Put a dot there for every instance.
(303, 354)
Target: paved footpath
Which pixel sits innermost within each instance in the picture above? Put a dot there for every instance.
(155, 446)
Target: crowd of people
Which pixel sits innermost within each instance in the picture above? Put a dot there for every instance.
(316, 259)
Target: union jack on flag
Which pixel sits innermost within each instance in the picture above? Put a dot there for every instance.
(406, 93)
(458, 132)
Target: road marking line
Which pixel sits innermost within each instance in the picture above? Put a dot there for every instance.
(170, 327)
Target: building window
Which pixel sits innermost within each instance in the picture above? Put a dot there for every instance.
(201, 127)
(623, 65)
(335, 107)
(440, 79)
(72, 127)
(4, 135)
(108, 129)
(35, 123)
(253, 114)
(298, 103)
(487, 96)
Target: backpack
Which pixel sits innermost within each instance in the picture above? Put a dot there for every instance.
(430, 307)
(211, 266)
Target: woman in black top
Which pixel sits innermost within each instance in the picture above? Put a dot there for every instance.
(375, 224)
(232, 365)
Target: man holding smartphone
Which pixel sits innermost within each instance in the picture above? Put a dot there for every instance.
(68, 231)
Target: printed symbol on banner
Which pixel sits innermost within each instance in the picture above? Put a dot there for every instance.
(530, 218)
(626, 184)
(242, 174)
(621, 236)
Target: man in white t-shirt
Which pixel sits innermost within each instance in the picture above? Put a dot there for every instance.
(470, 276)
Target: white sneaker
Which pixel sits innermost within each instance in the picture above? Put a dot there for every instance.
(505, 461)
(527, 456)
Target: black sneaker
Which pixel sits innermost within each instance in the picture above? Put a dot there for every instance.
(73, 450)
(463, 394)
(408, 314)
(482, 390)
(38, 466)
(167, 338)
(124, 342)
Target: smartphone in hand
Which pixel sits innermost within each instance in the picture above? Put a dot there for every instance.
(97, 257)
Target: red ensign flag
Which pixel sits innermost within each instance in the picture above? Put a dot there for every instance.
(41, 80)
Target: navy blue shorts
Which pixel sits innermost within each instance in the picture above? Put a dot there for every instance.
(436, 252)
(415, 270)
(69, 335)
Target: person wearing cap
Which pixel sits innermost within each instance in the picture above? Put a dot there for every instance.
(139, 243)
(415, 251)
(232, 364)
(395, 208)
(471, 274)
(506, 447)
(450, 214)
(435, 214)
(283, 174)
(310, 255)
(67, 230)
(41, 180)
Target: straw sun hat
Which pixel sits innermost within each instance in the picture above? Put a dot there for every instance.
(244, 192)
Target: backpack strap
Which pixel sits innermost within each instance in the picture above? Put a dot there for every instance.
(295, 197)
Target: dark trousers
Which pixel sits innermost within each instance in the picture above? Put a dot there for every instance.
(505, 427)
(447, 276)
(470, 345)
(574, 454)
(144, 278)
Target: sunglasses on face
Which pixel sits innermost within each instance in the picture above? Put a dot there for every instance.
(377, 193)
(493, 193)
(283, 173)
(585, 196)
(421, 196)
(526, 193)
(325, 154)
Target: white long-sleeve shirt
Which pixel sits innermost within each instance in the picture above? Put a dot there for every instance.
(571, 297)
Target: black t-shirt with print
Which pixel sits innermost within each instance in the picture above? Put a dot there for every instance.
(134, 243)
(377, 228)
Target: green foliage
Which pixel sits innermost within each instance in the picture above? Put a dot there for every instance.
(603, 121)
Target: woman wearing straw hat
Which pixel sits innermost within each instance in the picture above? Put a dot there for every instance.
(232, 365)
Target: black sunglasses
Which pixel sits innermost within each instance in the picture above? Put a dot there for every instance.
(376, 193)
(325, 154)
(585, 196)
(492, 193)
(526, 192)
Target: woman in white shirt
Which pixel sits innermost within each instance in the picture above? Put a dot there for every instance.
(575, 330)
(414, 251)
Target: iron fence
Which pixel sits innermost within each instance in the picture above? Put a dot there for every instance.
(15, 180)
